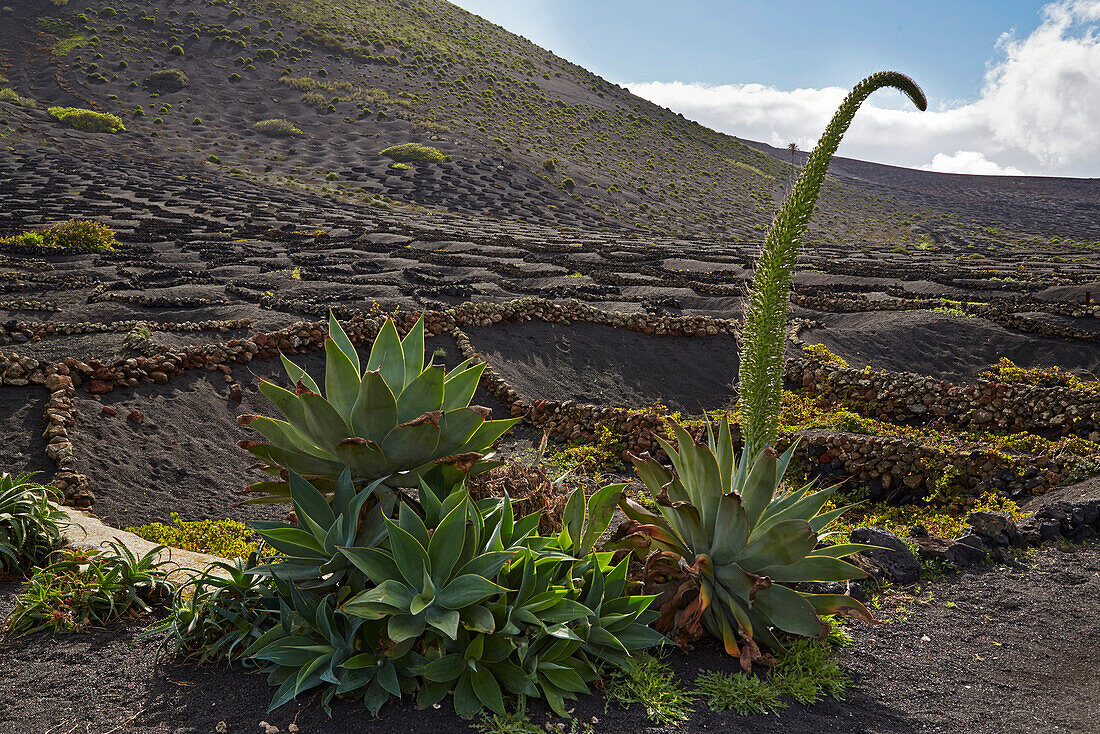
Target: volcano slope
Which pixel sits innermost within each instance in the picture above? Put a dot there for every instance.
(591, 247)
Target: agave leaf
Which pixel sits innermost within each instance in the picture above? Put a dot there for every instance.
(409, 554)
(341, 380)
(825, 519)
(640, 513)
(390, 593)
(378, 565)
(402, 627)
(788, 610)
(410, 522)
(304, 464)
(325, 426)
(487, 690)
(286, 401)
(446, 542)
(286, 436)
(466, 590)
(814, 568)
(461, 384)
(297, 374)
(387, 356)
(409, 446)
(375, 411)
(601, 508)
(412, 349)
(309, 503)
(365, 458)
(784, 543)
(803, 509)
(444, 669)
(293, 542)
(340, 337)
(723, 452)
(731, 530)
(653, 475)
(424, 394)
(759, 486)
(444, 620)
(487, 434)
(839, 604)
(840, 550)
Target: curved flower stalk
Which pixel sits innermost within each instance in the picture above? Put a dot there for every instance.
(763, 338)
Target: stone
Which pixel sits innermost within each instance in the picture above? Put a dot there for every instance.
(891, 561)
(996, 528)
(100, 387)
(136, 416)
(108, 410)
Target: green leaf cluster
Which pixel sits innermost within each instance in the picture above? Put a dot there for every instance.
(392, 419)
(743, 541)
(452, 596)
(84, 589)
(30, 527)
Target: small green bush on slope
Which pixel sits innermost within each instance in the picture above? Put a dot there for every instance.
(86, 234)
(87, 120)
(277, 128)
(415, 153)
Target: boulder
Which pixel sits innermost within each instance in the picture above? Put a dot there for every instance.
(891, 561)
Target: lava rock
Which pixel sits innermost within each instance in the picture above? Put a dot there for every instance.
(892, 561)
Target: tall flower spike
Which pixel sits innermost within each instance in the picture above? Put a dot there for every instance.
(764, 335)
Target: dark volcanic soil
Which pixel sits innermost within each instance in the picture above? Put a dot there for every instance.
(591, 363)
(981, 652)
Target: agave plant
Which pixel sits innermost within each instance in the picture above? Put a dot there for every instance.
(309, 550)
(392, 420)
(29, 526)
(457, 596)
(735, 541)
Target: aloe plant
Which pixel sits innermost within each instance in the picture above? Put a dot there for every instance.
(391, 420)
(764, 335)
(29, 526)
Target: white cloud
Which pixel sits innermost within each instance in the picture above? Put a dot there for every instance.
(1038, 110)
(969, 161)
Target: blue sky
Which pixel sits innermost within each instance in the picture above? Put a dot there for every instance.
(787, 44)
(773, 70)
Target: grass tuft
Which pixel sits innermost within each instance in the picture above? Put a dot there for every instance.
(653, 685)
(415, 153)
(743, 694)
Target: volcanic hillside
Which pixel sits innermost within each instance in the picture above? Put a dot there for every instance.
(530, 135)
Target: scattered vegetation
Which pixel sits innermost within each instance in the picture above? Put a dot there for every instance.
(82, 589)
(277, 128)
(1007, 371)
(651, 684)
(12, 97)
(30, 528)
(87, 120)
(85, 234)
(415, 153)
(165, 81)
(225, 538)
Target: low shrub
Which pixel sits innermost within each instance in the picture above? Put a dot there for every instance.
(12, 97)
(823, 353)
(83, 589)
(176, 50)
(225, 538)
(84, 234)
(166, 80)
(277, 128)
(415, 153)
(1007, 371)
(87, 120)
(30, 527)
